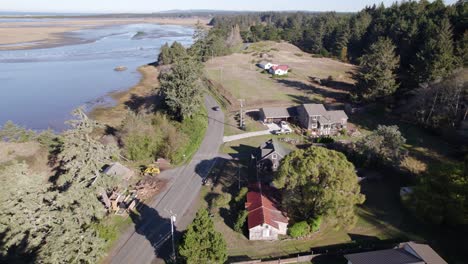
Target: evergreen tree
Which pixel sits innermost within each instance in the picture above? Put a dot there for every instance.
(164, 57)
(83, 156)
(180, 88)
(202, 243)
(319, 182)
(27, 212)
(177, 51)
(436, 60)
(383, 146)
(376, 75)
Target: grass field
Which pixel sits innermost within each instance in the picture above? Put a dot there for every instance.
(239, 75)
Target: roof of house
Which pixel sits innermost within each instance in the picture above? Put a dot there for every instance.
(315, 109)
(276, 112)
(280, 67)
(279, 112)
(405, 253)
(262, 208)
(269, 147)
(387, 256)
(335, 116)
(117, 169)
(426, 253)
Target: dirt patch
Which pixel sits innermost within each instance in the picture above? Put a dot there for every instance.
(238, 77)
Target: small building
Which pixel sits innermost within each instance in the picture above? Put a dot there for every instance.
(316, 117)
(405, 253)
(266, 65)
(265, 220)
(279, 70)
(276, 114)
(119, 170)
(269, 155)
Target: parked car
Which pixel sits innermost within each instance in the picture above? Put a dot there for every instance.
(216, 108)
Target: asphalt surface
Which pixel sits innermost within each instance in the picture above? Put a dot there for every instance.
(150, 236)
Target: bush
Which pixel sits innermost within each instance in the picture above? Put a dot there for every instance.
(325, 140)
(241, 195)
(222, 200)
(299, 229)
(240, 221)
(141, 141)
(315, 223)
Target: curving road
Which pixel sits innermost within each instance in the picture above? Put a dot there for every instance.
(142, 244)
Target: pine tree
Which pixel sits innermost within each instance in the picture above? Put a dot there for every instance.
(436, 60)
(177, 51)
(164, 57)
(27, 211)
(202, 243)
(319, 182)
(376, 76)
(83, 156)
(180, 89)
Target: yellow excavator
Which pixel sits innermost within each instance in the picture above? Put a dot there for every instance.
(151, 170)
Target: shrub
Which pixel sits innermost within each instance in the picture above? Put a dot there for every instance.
(299, 229)
(325, 140)
(222, 200)
(413, 165)
(240, 221)
(315, 223)
(241, 195)
(141, 141)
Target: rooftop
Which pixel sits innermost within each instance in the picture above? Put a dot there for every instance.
(315, 109)
(271, 146)
(405, 253)
(262, 207)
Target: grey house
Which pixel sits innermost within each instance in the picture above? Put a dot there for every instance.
(269, 155)
(316, 117)
(405, 253)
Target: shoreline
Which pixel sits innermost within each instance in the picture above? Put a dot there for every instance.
(134, 96)
(49, 34)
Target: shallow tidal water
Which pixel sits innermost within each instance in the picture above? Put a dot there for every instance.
(40, 87)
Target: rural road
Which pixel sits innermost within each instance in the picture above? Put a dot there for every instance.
(142, 243)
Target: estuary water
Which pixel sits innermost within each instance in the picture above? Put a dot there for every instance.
(40, 87)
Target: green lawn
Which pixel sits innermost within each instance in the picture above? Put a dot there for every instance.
(246, 145)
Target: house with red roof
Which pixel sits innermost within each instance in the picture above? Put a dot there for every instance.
(265, 220)
(279, 69)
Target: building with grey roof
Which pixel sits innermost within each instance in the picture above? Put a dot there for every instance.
(316, 118)
(269, 155)
(405, 253)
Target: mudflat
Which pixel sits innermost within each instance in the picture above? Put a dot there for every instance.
(44, 33)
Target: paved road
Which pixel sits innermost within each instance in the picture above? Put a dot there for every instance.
(142, 243)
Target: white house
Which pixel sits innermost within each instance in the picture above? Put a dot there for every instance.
(265, 220)
(279, 69)
(266, 65)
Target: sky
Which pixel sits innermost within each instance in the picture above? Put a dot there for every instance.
(148, 6)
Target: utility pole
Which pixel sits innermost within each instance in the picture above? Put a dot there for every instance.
(242, 124)
(173, 219)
